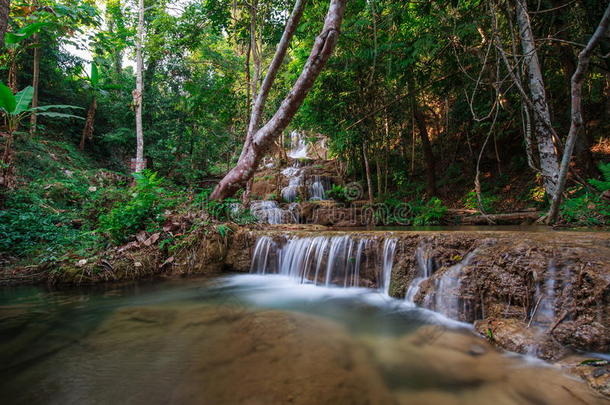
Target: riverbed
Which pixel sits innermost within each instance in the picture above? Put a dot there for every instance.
(254, 339)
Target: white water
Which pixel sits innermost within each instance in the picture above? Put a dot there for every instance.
(389, 247)
(295, 173)
(325, 260)
(298, 146)
(545, 297)
(446, 294)
(269, 212)
(423, 257)
(317, 190)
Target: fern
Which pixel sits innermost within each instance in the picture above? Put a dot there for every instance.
(602, 185)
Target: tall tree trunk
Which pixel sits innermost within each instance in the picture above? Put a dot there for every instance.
(137, 95)
(549, 166)
(88, 129)
(5, 8)
(427, 147)
(264, 137)
(367, 169)
(577, 122)
(35, 83)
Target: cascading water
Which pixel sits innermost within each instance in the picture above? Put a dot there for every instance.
(544, 310)
(295, 180)
(317, 189)
(389, 247)
(423, 258)
(446, 295)
(261, 260)
(336, 260)
(269, 212)
(298, 146)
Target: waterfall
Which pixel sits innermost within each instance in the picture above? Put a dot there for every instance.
(544, 298)
(317, 190)
(298, 146)
(334, 260)
(423, 258)
(389, 246)
(260, 259)
(269, 212)
(295, 180)
(446, 295)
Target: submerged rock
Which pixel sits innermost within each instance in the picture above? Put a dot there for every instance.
(235, 356)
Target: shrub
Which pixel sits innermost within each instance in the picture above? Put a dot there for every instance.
(337, 192)
(488, 201)
(428, 212)
(144, 208)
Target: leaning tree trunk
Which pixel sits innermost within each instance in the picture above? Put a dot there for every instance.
(577, 80)
(264, 137)
(137, 95)
(35, 83)
(260, 97)
(549, 166)
(5, 8)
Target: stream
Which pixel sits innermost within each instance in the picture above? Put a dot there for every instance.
(254, 339)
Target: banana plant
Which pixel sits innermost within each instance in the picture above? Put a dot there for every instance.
(14, 108)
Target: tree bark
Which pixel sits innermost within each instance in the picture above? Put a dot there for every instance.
(367, 169)
(264, 137)
(35, 83)
(278, 58)
(549, 166)
(88, 129)
(428, 154)
(577, 121)
(5, 8)
(137, 95)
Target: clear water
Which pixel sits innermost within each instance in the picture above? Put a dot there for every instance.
(253, 339)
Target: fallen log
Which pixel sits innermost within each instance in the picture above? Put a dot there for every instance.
(513, 218)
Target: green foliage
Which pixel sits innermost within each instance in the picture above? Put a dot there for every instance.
(229, 209)
(604, 184)
(32, 228)
(429, 212)
(488, 201)
(143, 210)
(337, 193)
(586, 209)
(223, 230)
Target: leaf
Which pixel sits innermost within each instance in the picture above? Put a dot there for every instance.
(11, 38)
(52, 114)
(94, 75)
(55, 106)
(23, 99)
(7, 99)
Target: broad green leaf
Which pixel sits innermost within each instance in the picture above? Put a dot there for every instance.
(24, 33)
(53, 114)
(11, 38)
(55, 106)
(23, 99)
(94, 75)
(7, 99)
(33, 28)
